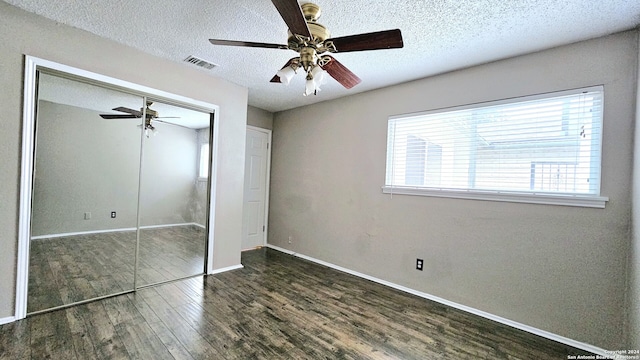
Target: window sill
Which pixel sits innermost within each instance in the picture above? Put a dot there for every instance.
(547, 199)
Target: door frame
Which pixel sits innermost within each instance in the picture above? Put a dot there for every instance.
(31, 66)
(269, 134)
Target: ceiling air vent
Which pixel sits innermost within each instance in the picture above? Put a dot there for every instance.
(200, 62)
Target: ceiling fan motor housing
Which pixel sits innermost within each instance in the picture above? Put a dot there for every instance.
(150, 113)
(311, 11)
(318, 32)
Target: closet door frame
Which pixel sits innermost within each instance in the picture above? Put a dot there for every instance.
(32, 66)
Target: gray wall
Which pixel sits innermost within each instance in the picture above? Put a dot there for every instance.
(83, 164)
(169, 176)
(259, 118)
(634, 254)
(24, 33)
(557, 268)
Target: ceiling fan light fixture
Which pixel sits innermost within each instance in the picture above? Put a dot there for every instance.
(319, 75)
(286, 74)
(148, 133)
(310, 87)
(149, 129)
(315, 77)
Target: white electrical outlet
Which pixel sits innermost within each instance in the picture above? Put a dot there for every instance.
(290, 239)
(87, 216)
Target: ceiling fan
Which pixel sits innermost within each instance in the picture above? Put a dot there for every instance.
(149, 113)
(311, 40)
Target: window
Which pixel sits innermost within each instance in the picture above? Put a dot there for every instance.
(540, 149)
(203, 168)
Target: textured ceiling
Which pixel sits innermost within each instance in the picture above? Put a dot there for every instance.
(439, 35)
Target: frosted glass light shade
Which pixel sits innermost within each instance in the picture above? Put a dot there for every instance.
(319, 75)
(310, 87)
(286, 75)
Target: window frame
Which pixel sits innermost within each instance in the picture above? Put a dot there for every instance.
(531, 197)
(201, 151)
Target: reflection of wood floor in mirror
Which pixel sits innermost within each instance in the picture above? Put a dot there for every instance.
(276, 307)
(65, 270)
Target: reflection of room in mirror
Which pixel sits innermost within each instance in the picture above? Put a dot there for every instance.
(100, 187)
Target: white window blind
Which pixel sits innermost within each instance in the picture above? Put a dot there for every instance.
(544, 146)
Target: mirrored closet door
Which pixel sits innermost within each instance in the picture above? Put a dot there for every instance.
(85, 194)
(173, 195)
(120, 192)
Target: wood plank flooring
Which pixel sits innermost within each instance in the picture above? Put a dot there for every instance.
(277, 307)
(65, 270)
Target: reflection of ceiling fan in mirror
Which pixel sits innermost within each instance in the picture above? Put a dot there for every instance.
(311, 39)
(150, 115)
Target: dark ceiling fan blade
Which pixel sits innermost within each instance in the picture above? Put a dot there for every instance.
(388, 39)
(276, 78)
(292, 15)
(339, 72)
(247, 44)
(127, 110)
(118, 116)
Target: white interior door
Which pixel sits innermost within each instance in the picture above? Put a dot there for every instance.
(256, 181)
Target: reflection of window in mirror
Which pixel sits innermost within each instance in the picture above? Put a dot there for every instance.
(203, 168)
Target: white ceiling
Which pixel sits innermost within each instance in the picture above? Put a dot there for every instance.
(439, 35)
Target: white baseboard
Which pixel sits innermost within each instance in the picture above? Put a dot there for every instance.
(484, 314)
(166, 225)
(38, 237)
(225, 269)
(7, 320)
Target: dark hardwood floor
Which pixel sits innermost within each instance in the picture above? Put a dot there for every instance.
(65, 270)
(277, 307)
